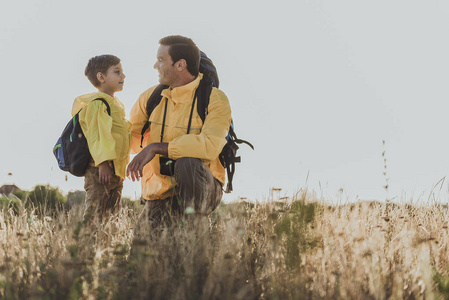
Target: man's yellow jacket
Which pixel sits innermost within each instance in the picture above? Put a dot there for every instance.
(205, 141)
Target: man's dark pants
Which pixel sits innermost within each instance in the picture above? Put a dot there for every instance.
(197, 192)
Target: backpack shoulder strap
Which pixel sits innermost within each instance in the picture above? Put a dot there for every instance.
(153, 101)
(108, 108)
(204, 90)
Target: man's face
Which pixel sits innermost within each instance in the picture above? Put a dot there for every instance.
(164, 65)
(114, 78)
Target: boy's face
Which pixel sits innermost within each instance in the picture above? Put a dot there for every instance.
(114, 78)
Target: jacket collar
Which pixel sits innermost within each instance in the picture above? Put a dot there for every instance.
(183, 93)
(105, 96)
(82, 101)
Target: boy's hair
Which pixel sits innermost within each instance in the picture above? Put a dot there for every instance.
(183, 48)
(100, 63)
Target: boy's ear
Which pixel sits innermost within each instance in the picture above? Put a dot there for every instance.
(100, 77)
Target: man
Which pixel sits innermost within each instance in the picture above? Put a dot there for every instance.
(196, 185)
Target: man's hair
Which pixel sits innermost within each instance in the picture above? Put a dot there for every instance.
(183, 48)
(100, 63)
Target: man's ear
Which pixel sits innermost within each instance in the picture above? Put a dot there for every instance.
(100, 77)
(181, 64)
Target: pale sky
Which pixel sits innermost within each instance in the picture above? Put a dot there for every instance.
(314, 85)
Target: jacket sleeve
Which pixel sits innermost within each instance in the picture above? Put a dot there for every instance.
(96, 125)
(208, 144)
(138, 118)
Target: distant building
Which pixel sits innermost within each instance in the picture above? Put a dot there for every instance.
(8, 189)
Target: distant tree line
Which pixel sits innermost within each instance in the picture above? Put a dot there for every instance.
(49, 200)
(44, 198)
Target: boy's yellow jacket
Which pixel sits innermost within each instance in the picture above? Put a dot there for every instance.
(204, 141)
(108, 137)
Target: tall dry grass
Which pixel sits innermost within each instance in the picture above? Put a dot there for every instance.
(301, 249)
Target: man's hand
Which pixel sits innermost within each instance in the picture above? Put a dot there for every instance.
(135, 167)
(105, 173)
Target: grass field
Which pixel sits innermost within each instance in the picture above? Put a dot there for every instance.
(298, 249)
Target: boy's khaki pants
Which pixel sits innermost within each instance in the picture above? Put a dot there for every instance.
(102, 200)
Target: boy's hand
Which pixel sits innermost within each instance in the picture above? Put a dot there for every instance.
(105, 173)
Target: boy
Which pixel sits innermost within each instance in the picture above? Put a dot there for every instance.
(108, 136)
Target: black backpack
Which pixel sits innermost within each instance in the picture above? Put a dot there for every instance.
(71, 150)
(228, 156)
